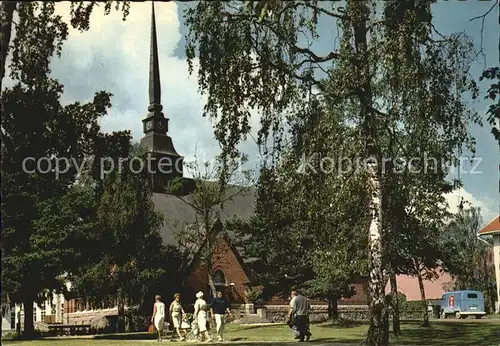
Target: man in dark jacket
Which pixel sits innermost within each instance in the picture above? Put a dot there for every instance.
(300, 307)
(219, 307)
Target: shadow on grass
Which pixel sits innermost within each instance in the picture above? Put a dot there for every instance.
(267, 327)
(340, 325)
(450, 334)
(128, 336)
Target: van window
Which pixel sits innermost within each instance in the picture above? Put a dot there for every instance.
(471, 295)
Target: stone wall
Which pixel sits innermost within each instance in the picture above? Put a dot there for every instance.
(105, 320)
(87, 316)
(279, 313)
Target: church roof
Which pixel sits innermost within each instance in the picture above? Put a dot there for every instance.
(177, 212)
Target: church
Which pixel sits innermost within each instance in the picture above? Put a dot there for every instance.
(232, 273)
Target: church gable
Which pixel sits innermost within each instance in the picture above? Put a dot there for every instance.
(230, 274)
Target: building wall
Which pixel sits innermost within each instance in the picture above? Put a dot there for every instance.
(496, 255)
(49, 311)
(434, 289)
(226, 261)
(360, 297)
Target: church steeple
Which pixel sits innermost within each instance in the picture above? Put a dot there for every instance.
(156, 121)
(156, 140)
(154, 68)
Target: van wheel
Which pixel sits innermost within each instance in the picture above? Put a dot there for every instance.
(458, 315)
(478, 317)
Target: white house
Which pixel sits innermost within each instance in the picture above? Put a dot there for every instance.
(492, 229)
(50, 311)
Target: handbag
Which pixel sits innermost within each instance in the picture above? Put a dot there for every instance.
(151, 328)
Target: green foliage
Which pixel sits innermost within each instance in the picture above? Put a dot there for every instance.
(128, 259)
(35, 125)
(414, 305)
(306, 229)
(389, 90)
(42, 228)
(468, 256)
(255, 296)
(493, 113)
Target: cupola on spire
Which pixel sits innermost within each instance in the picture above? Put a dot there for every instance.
(155, 125)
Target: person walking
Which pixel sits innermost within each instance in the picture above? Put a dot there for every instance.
(200, 313)
(300, 309)
(292, 319)
(219, 307)
(291, 316)
(158, 318)
(176, 313)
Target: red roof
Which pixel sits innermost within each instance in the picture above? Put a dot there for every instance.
(492, 227)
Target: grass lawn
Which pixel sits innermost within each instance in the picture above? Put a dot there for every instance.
(449, 332)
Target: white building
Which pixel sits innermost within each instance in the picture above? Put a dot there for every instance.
(492, 229)
(50, 311)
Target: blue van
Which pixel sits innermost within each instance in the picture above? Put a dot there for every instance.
(462, 304)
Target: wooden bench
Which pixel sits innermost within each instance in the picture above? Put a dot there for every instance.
(70, 329)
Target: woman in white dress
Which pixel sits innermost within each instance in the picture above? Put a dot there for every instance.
(158, 318)
(200, 313)
(176, 312)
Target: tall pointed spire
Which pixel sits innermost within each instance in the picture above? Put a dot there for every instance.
(154, 68)
(155, 126)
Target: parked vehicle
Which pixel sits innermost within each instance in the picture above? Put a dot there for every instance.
(462, 304)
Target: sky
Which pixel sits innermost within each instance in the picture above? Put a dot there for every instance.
(114, 56)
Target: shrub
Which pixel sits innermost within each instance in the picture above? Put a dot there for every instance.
(255, 296)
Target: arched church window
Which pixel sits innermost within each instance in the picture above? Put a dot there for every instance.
(219, 278)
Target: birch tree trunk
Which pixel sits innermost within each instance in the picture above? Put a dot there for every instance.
(396, 325)
(212, 284)
(377, 333)
(209, 255)
(424, 301)
(7, 12)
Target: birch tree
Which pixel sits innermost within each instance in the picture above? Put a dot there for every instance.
(389, 72)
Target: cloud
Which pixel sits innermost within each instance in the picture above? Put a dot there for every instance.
(487, 206)
(114, 56)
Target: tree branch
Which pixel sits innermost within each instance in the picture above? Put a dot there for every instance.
(325, 11)
(483, 18)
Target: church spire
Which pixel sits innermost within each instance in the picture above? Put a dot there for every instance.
(155, 126)
(154, 69)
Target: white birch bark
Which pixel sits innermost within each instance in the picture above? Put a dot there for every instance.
(376, 335)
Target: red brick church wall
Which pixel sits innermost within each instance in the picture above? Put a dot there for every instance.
(227, 262)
